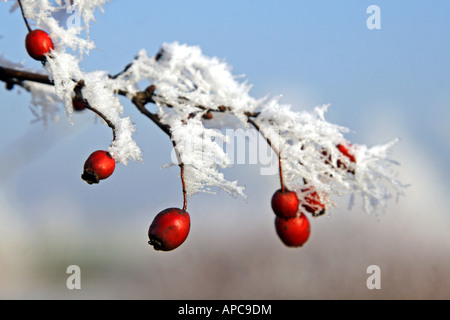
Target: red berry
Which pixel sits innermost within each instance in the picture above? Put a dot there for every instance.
(38, 43)
(77, 104)
(344, 150)
(293, 232)
(208, 116)
(312, 202)
(99, 166)
(169, 229)
(285, 204)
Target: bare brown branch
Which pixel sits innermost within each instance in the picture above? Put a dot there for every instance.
(18, 76)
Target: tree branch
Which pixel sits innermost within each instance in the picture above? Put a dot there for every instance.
(9, 75)
(139, 99)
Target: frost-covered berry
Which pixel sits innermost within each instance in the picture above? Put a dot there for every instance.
(344, 150)
(312, 202)
(77, 105)
(293, 232)
(38, 43)
(285, 204)
(169, 229)
(99, 166)
(207, 116)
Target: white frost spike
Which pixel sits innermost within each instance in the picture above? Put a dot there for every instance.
(374, 177)
(182, 71)
(44, 100)
(86, 8)
(207, 81)
(64, 71)
(200, 151)
(45, 104)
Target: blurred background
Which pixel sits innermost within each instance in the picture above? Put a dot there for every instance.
(382, 84)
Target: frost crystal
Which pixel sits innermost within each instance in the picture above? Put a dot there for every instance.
(188, 85)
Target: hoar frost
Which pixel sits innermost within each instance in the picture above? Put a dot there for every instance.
(186, 79)
(64, 70)
(188, 84)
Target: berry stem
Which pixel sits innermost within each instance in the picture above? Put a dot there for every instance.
(23, 15)
(280, 170)
(257, 127)
(101, 115)
(183, 184)
(269, 142)
(79, 95)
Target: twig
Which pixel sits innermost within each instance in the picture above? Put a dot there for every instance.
(140, 99)
(269, 142)
(128, 66)
(23, 16)
(79, 97)
(257, 127)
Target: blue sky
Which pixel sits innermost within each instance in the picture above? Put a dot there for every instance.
(382, 84)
